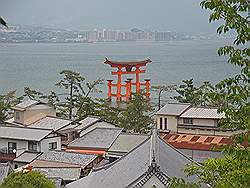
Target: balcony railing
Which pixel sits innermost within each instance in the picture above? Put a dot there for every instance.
(203, 127)
(6, 155)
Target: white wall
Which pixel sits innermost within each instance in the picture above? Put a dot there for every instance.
(21, 145)
(44, 144)
(201, 122)
(171, 122)
(207, 132)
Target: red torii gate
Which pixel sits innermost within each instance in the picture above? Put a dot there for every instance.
(132, 67)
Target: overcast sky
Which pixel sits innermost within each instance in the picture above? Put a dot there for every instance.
(174, 15)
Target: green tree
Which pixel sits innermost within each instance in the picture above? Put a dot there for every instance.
(233, 170)
(77, 96)
(109, 113)
(72, 81)
(31, 179)
(6, 102)
(181, 183)
(32, 94)
(197, 96)
(160, 89)
(136, 116)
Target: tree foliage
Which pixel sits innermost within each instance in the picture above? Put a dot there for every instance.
(6, 102)
(231, 95)
(234, 90)
(160, 89)
(77, 92)
(181, 183)
(32, 179)
(136, 116)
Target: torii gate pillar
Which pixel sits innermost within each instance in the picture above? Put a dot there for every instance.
(124, 68)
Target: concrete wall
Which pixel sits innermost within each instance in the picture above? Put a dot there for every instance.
(171, 122)
(44, 144)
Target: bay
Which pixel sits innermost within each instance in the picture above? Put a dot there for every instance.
(37, 65)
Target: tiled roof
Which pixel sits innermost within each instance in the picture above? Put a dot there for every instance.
(53, 123)
(68, 157)
(99, 138)
(27, 103)
(27, 157)
(12, 122)
(23, 133)
(195, 142)
(68, 174)
(4, 171)
(52, 164)
(202, 113)
(101, 124)
(87, 122)
(153, 156)
(126, 142)
(175, 109)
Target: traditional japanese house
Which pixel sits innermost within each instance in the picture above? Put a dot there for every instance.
(151, 164)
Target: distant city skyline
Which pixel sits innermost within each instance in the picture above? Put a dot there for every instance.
(163, 15)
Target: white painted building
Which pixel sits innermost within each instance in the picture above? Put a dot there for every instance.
(15, 140)
(183, 118)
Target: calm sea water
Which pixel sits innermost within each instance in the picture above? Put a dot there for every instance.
(38, 65)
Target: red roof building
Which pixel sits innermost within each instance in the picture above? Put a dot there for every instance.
(196, 142)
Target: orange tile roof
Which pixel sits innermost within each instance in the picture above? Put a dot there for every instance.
(195, 142)
(98, 152)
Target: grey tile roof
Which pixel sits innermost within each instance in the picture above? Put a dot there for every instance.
(27, 103)
(52, 164)
(126, 142)
(53, 123)
(126, 170)
(4, 171)
(12, 122)
(23, 133)
(64, 173)
(101, 124)
(27, 157)
(99, 138)
(202, 113)
(88, 121)
(68, 157)
(173, 109)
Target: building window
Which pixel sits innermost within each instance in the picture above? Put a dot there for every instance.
(17, 115)
(166, 123)
(188, 121)
(53, 145)
(32, 146)
(11, 147)
(160, 123)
